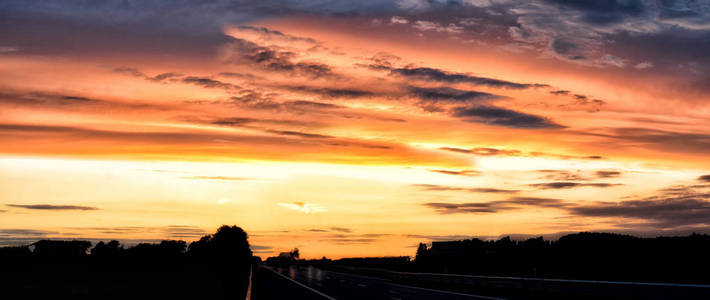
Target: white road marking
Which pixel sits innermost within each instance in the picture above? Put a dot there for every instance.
(301, 284)
(418, 288)
(251, 272)
(446, 292)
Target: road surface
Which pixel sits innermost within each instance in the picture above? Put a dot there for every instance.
(313, 283)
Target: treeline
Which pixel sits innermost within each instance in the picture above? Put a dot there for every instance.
(595, 256)
(216, 265)
(584, 256)
(229, 245)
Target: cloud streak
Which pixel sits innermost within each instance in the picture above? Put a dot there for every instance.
(434, 187)
(438, 75)
(514, 203)
(504, 117)
(51, 207)
(569, 184)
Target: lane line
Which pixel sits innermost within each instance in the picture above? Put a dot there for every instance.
(414, 287)
(446, 292)
(657, 284)
(301, 284)
(251, 272)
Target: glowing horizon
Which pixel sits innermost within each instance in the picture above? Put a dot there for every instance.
(352, 130)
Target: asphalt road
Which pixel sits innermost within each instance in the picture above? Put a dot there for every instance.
(313, 283)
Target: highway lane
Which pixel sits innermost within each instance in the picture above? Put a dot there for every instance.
(313, 283)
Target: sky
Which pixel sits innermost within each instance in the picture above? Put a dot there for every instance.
(353, 128)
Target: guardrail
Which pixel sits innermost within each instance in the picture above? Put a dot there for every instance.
(524, 287)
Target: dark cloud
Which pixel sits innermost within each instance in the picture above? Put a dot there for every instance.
(437, 75)
(267, 101)
(214, 140)
(504, 117)
(673, 208)
(26, 232)
(244, 122)
(208, 82)
(164, 28)
(275, 33)
(705, 178)
(566, 175)
(260, 247)
(317, 230)
(484, 151)
(300, 134)
(138, 73)
(607, 174)
(183, 231)
(216, 178)
(569, 184)
(568, 48)
(237, 75)
(44, 99)
(74, 102)
(450, 95)
(459, 173)
(433, 187)
(164, 76)
(514, 203)
(603, 12)
(341, 229)
(311, 104)
(328, 92)
(667, 141)
(579, 101)
(441, 237)
(563, 175)
(452, 208)
(563, 156)
(14, 237)
(130, 71)
(51, 207)
(157, 137)
(350, 241)
(560, 92)
(453, 149)
(17, 237)
(232, 122)
(663, 211)
(247, 52)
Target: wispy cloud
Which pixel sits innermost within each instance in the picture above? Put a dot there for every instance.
(434, 187)
(51, 207)
(459, 172)
(514, 203)
(306, 208)
(216, 178)
(438, 75)
(504, 117)
(569, 184)
(341, 229)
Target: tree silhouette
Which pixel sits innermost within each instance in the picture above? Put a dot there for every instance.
(229, 245)
(294, 254)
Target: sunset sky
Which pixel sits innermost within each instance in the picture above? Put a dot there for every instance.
(353, 128)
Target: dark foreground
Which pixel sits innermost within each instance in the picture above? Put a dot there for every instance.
(308, 282)
(313, 283)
